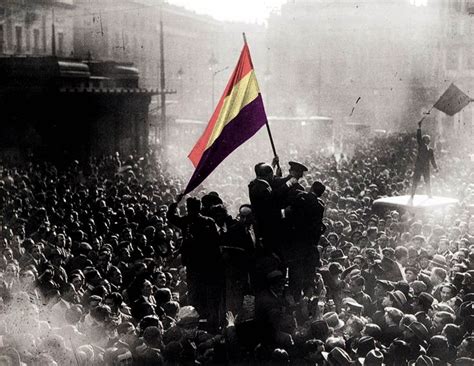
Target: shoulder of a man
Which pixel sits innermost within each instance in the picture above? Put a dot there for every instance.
(259, 185)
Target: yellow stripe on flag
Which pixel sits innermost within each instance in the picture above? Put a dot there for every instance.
(244, 92)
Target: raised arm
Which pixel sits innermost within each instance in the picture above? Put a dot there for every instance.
(418, 132)
(173, 217)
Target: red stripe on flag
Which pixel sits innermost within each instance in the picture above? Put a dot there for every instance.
(244, 66)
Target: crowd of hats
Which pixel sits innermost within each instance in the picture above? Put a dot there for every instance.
(90, 274)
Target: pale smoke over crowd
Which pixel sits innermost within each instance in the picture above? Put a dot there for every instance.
(371, 69)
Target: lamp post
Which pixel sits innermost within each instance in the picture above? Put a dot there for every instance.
(213, 79)
(180, 74)
(212, 65)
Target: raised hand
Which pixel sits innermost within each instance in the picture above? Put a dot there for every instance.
(275, 161)
(230, 318)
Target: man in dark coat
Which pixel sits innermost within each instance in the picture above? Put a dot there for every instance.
(271, 309)
(200, 254)
(239, 253)
(295, 173)
(424, 159)
(305, 220)
(264, 200)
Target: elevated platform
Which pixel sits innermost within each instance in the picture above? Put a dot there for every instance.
(419, 202)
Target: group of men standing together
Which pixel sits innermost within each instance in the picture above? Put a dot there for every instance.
(289, 221)
(276, 235)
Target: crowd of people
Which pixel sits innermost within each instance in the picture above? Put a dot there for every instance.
(102, 264)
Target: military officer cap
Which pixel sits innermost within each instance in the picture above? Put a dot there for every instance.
(297, 166)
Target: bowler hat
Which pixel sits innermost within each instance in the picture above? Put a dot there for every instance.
(333, 320)
(319, 328)
(386, 285)
(439, 261)
(418, 286)
(373, 358)
(365, 345)
(274, 276)
(398, 298)
(337, 356)
(426, 300)
(404, 287)
(419, 330)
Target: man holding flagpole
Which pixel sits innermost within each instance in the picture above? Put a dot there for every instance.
(424, 159)
(239, 114)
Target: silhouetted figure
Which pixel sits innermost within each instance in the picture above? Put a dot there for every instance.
(423, 160)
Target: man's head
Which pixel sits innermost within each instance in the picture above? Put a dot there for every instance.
(318, 188)
(193, 205)
(276, 282)
(438, 275)
(447, 292)
(297, 169)
(246, 214)
(357, 284)
(440, 319)
(411, 274)
(426, 139)
(401, 255)
(264, 171)
(392, 316)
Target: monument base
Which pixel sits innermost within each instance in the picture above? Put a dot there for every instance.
(418, 202)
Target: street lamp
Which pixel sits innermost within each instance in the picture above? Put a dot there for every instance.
(180, 74)
(212, 62)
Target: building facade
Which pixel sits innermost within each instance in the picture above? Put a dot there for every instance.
(457, 55)
(26, 27)
(75, 108)
(357, 61)
(199, 51)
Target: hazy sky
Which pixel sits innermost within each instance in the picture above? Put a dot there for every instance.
(234, 10)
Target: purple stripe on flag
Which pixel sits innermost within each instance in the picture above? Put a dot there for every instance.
(249, 120)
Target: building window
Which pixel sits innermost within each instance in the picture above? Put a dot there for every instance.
(36, 40)
(19, 39)
(27, 39)
(1, 39)
(60, 43)
(43, 29)
(470, 59)
(452, 59)
(9, 31)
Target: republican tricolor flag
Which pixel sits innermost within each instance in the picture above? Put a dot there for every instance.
(238, 116)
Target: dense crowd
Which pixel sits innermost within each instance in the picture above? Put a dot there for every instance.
(101, 265)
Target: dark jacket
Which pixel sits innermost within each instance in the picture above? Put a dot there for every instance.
(200, 248)
(425, 155)
(270, 310)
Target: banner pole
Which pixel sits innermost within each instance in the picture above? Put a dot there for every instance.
(268, 126)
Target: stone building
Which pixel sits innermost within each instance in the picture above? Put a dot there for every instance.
(26, 27)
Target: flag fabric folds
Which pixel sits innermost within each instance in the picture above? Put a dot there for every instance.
(238, 116)
(452, 101)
